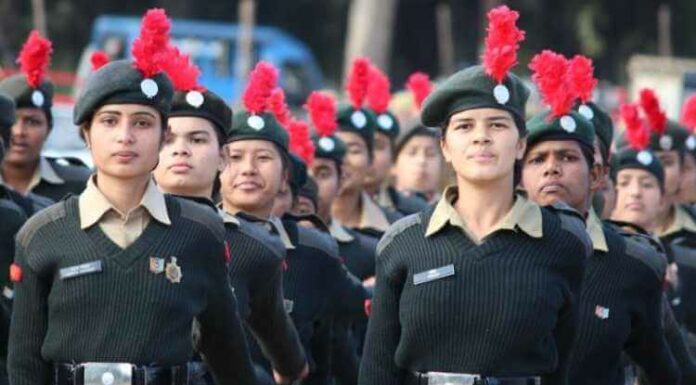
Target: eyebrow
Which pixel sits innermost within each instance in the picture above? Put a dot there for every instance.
(490, 118)
(143, 113)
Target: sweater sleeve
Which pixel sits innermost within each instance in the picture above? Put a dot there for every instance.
(348, 288)
(378, 366)
(273, 328)
(222, 342)
(677, 344)
(647, 345)
(28, 327)
(321, 351)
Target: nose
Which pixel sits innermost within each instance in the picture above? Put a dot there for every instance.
(481, 134)
(18, 128)
(124, 134)
(180, 148)
(552, 167)
(248, 166)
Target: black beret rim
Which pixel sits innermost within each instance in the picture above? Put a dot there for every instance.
(243, 137)
(417, 131)
(218, 125)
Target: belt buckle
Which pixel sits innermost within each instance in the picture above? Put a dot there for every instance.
(98, 373)
(440, 378)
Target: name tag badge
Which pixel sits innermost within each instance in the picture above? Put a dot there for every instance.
(433, 274)
(83, 269)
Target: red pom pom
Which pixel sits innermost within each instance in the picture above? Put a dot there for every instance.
(637, 134)
(688, 116)
(300, 141)
(15, 273)
(98, 59)
(150, 48)
(322, 112)
(262, 80)
(277, 105)
(420, 86)
(502, 42)
(550, 75)
(181, 71)
(368, 307)
(581, 78)
(651, 106)
(378, 94)
(358, 80)
(35, 58)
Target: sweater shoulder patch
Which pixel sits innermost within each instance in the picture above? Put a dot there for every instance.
(39, 220)
(397, 228)
(262, 236)
(201, 215)
(317, 239)
(646, 250)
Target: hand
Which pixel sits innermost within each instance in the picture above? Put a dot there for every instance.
(282, 380)
(672, 275)
(370, 282)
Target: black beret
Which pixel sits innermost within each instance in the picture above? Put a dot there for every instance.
(412, 130)
(362, 122)
(329, 147)
(298, 173)
(472, 88)
(206, 105)
(387, 124)
(246, 126)
(7, 112)
(603, 125)
(119, 82)
(25, 96)
(572, 126)
(629, 158)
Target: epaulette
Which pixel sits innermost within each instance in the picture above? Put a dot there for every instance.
(316, 239)
(397, 228)
(574, 222)
(201, 214)
(646, 249)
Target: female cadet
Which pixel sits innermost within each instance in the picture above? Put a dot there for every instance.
(109, 285)
(418, 166)
(481, 288)
(189, 163)
(620, 308)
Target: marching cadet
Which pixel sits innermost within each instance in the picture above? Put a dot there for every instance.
(387, 129)
(356, 127)
(482, 287)
(190, 161)
(418, 166)
(687, 187)
(109, 284)
(24, 168)
(621, 300)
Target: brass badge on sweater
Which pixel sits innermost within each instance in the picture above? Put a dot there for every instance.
(172, 271)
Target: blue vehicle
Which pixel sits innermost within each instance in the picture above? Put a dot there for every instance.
(212, 47)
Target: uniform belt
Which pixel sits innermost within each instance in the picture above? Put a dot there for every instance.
(440, 378)
(103, 373)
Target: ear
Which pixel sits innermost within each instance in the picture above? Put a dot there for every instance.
(521, 148)
(221, 160)
(87, 139)
(444, 148)
(597, 179)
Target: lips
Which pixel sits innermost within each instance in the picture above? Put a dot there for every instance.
(634, 206)
(125, 156)
(552, 188)
(180, 167)
(483, 156)
(247, 186)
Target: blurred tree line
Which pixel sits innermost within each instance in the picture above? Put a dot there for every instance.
(609, 31)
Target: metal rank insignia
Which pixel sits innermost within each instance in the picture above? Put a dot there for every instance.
(156, 265)
(172, 271)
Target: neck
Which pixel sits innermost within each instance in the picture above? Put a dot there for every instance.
(373, 188)
(483, 206)
(258, 212)
(206, 193)
(124, 194)
(347, 207)
(19, 175)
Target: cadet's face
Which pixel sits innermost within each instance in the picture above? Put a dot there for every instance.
(190, 158)
(672, 166)
(356, 162)
(482, 145)
(27, 136)
(687, 187)
(125, 139)
(253, 175)
(609, 193)
(381, 162)
(638, 198)
(325, 173)
(556, 170)
(419, 165)
(283, 201)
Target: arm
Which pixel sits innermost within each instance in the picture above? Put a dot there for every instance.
(28, 326)
(677, 345)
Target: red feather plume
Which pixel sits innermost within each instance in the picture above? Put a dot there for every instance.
(651, 106)
(150, 48)
(262, 80)
(581, 78)
(98, 59)
(550, 75)
(378, 94)
(502, 42)
(277, 105)
(420, 86)
(35, 58)
(322, 112)
(358, 80)
(637, 134)
(300, 141)
(688, 116)
(182, 72)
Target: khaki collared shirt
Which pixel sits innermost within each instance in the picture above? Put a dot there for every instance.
(682, 221)
(44, 171)
(524, 215)
(372, 216)
(383, 198)
(339, 233)
(227, 217)
(596, 232)
(122, 228)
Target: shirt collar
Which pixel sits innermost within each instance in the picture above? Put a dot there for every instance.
(93, 204)
(596, 232)
(278, 224)
(383, 197)
(45, 172)
(227, 217)
(339, 233)
(682, 221)
(524, 215)
(372, 216)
